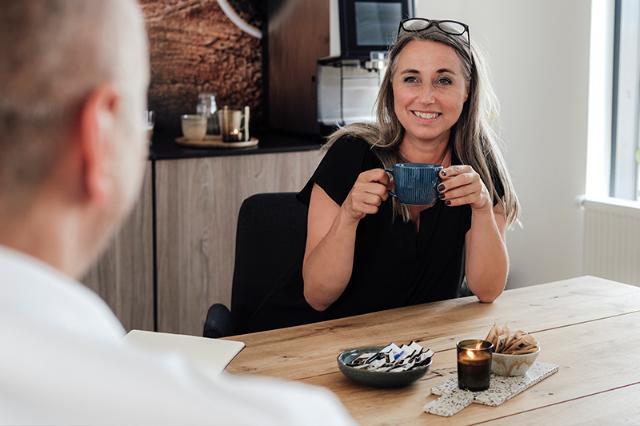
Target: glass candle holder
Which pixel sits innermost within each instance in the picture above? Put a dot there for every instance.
(474, 364)
(232, 123)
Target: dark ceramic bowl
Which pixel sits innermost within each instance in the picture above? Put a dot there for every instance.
(379, 379)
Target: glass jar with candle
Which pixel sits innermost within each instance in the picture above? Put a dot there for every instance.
(234, 124)
(474, 364)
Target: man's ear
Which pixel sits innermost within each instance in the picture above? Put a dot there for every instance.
(97, 122)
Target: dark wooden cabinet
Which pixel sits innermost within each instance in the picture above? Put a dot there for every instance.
(298, 34)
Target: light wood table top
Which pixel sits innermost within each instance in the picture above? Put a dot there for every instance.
(589, 326)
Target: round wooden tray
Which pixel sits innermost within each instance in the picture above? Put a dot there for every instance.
(215, 141)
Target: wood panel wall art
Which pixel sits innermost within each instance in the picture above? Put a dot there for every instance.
(195, 48)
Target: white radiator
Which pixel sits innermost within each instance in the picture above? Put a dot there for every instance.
(612, 240)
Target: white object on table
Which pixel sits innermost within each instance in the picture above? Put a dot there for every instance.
(211, 356)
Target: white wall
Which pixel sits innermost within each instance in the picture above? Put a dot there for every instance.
(538, 54)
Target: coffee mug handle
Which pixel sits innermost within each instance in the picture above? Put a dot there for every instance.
(390, 172)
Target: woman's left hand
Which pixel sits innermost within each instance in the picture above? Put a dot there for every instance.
(462, 185)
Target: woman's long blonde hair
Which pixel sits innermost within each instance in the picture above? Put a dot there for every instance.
(473, 137)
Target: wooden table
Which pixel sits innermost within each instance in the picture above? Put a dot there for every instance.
(588, 326)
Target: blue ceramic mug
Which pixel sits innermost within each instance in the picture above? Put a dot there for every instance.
(415, 183)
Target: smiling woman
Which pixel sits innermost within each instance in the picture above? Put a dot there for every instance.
(429, 92)
(365, 251)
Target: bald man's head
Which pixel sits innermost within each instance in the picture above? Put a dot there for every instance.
(53, 54)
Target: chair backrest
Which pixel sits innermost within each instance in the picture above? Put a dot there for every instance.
(270, 242)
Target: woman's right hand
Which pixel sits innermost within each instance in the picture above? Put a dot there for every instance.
(366, 195)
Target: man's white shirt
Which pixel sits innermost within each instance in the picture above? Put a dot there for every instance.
(63, 361)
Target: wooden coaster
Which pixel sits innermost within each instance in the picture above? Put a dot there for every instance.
(215, 141)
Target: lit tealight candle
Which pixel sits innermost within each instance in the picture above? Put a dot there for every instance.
(474, 364)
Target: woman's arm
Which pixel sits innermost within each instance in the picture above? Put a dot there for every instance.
(331, 236)
(486, 259)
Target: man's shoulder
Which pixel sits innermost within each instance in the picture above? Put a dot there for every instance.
(40, 293)
(83, 379)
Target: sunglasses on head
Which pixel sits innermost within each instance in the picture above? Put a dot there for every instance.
(417, 25)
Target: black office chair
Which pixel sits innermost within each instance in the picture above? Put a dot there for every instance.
(267, 288)
(270, 241)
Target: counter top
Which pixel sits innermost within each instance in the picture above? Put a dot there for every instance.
(164, 146)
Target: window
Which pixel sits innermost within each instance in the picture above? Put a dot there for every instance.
(625, 125)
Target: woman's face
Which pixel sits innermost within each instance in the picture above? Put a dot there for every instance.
(429, 90)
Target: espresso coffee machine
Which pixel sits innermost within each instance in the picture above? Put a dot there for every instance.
(349, 79)
(325, 60)
(347, 90)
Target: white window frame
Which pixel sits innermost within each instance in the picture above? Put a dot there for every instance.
(597, 182)
(625, 124)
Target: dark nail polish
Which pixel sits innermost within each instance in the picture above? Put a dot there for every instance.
(441, 196)
(448, 202)
(443, 173)
(441, 187)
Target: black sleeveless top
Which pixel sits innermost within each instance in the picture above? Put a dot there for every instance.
(394, 263)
